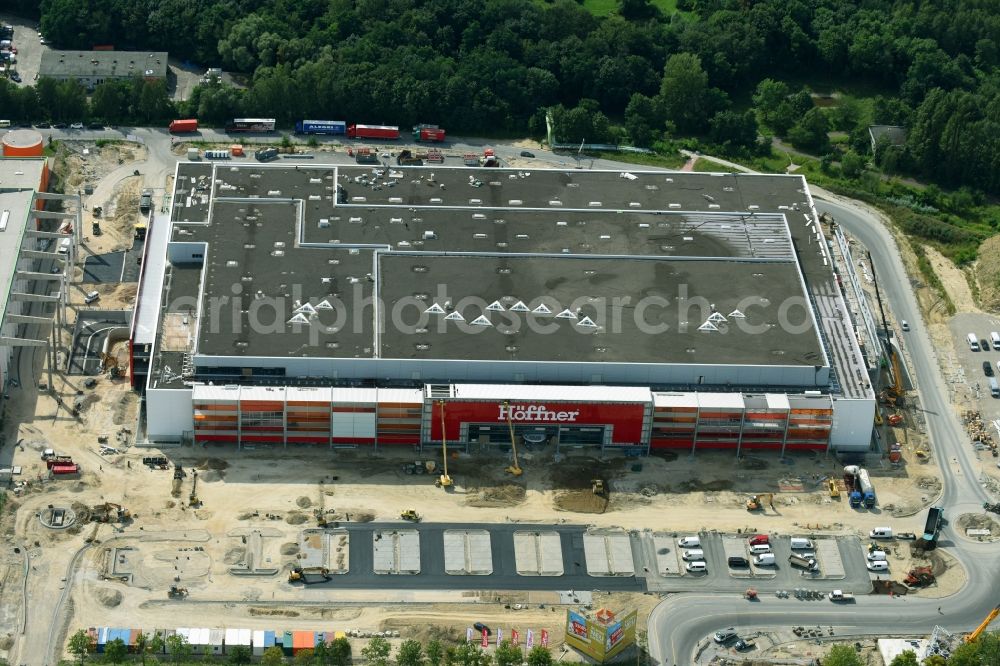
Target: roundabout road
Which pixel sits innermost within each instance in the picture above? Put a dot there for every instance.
(679, 624)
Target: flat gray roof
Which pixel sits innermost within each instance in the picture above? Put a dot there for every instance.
(363, 262)
(103, 64)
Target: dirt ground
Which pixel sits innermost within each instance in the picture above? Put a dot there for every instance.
(987, 273)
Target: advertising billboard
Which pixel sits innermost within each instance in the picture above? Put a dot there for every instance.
(597, 640)
(627, 418)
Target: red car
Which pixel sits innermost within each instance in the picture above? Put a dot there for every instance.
(759, 539)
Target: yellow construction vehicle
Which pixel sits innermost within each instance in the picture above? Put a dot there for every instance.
(109, 513)
(514, 469)
(410, 515)
(443, 481)
(177, 592)
(974, 636)
(756, 503)
(834, 490)
(597, 487)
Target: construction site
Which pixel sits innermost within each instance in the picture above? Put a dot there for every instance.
(415, 511)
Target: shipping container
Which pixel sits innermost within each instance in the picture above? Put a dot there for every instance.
(65, 469)
(389, 132)
(431, 133)
(251, 125)
(181, 126)
(321, 127)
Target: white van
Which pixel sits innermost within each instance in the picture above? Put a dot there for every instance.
(760, 549)
(798, 543)
(4, 123)
(881, 533)
(764, 560)
(692, 555)
(689, 542)
(973, 342)
(995, 339)
(876, 556)
(878, 565)
(994, 387)
(697, 567)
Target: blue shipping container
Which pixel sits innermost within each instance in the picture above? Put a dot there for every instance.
(268, 639)
(321, 127)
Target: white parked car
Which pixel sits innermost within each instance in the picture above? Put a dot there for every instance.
(76, 126)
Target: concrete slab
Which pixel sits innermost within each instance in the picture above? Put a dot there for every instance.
(538, 554)
(338, 552)
(666, 555)
(468, 552)
(831, 565)
(396, 552)
(608, 553)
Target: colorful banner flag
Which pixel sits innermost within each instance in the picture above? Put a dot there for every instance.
(499, 635)
(468, 634)
(545, 638)
(486, 639)
(529, 641)
(514, 637)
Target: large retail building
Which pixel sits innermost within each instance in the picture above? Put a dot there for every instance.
(385, 306)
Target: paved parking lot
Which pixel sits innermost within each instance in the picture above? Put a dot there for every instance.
(967, 377)
(29, 49)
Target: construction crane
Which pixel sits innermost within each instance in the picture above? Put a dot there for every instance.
(444, 481)
(515, 468)
(974, 636)
(756, 503)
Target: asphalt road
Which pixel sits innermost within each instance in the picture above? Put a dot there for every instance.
(681, 623)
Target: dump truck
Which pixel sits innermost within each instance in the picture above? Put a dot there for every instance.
(840, 595)
(54, 460)
(146, 200)
(183, 126)
(806, 563)
(935, 519)
(308, 575)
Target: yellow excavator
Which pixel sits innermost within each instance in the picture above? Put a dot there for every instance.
(515, 468)
(756, 503)
(444, 481)
(977, 632)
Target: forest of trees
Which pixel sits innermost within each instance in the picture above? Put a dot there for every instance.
(717, 70)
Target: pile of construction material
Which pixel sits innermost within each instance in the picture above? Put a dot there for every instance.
(978, 432)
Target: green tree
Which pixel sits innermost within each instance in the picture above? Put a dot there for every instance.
(273, 656)
(79, 645)
(908, 658)
(377, 651)
(642, 115)
(842, 655)
(109, 102)
(852, 164)
(686, 98)
(339, 652)
(539, 656)
(469, 654)
(178, 647)
(768, 97)
(507, 654)
(238, 655)
(148, 644)
(810, 133)
(434, 652)
(115, 651)
(985, 650)
(305, 657)
(410, 653)
(731, 129)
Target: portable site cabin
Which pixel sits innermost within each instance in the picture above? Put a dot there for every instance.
(286, 643)
(198, 640)
(133, 639)
(164, 635)
(262, 640)
(236, 637)
(183, 632)
(303, 640)
(215, 640)
(92, 636)
(102, 639)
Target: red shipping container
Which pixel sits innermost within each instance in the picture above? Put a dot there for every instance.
(178, 126)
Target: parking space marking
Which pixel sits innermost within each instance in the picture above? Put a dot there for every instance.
(735, 546)
(666, 555)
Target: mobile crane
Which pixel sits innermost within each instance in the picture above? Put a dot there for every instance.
(977, 632)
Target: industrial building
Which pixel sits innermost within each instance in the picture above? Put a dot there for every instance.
(91, 68)
(387, 306)
(36, 246)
